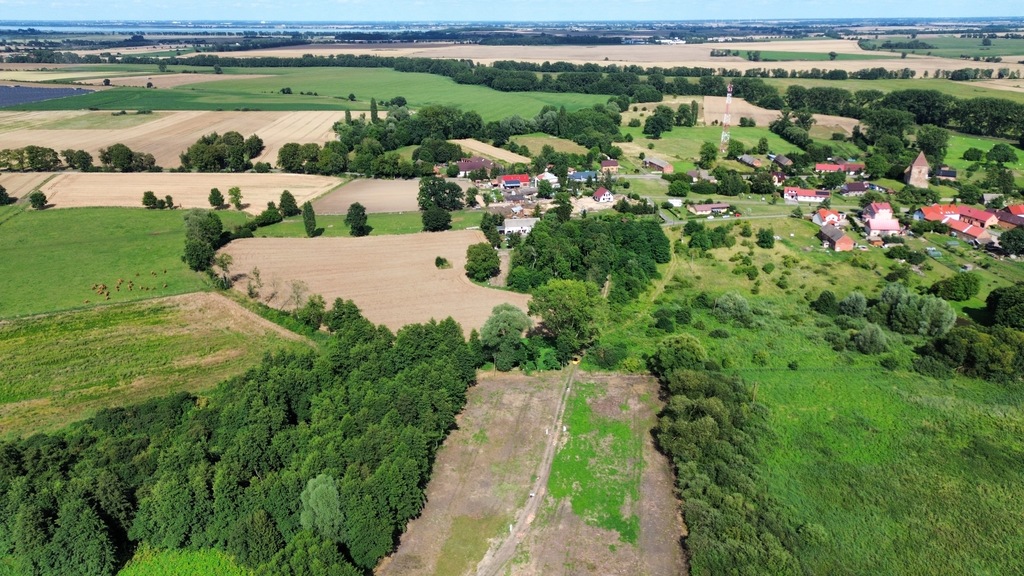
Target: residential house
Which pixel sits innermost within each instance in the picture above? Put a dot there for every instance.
(610, 166)
(823, 217)
(835, 238)
(514, 180)
(878, 210)
(945, 173)
(1008, 221)
(917, 173)
(467, 165)
(850, 167)
(937, 213)
(854, 189)
(882, 227)
(676, 202)
(749, 160)
(778, 178)
(701, 174)
(658, 165)
(1016, 209)
(793, 194)
(707, 209)
(968, 232)
(583, 176)
(982, 218)
(547, 177)
(518, 226)
(825, 167)
(603, 195)
(782, 161)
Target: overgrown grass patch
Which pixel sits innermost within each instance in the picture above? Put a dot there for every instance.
(182, 563)
(599, 466)
(467, 543)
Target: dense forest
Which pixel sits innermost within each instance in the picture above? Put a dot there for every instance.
(307, 464)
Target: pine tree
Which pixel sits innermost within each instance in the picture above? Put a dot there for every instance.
(309, 219)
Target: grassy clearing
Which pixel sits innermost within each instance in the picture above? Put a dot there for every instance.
(958, 89)
(955, 47)
(384, 224)
(65, 366)
(333, 85)
(537, 140)
(682, 145)
(881, 470)
(467, 543)
(57, 256)
(182, 563)
(598, 468)
(100, 121)
(782, 56)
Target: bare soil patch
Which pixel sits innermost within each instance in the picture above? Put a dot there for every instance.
(18, 184)
(165, 135)
(375, 195)
(392, 279)
(482, 475)
(73, 189)
(170, 80)
(714, 108)
(479, 147)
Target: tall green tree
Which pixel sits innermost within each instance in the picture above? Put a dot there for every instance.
(356, 220)
(708, 155)
(569, 310)
(934, 142)
(287, 205)
(321, 510)
(309, 219)
(562, 206)
(235, 194)
(482, 262)
(216, 198)
(501, 335)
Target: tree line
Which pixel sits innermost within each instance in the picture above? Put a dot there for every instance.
(116, 158)
(308, 463)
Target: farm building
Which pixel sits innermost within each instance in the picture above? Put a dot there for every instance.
(706, 209)
(749, 160)
(610, 166)
(937, 213)
(518, 226)
(857, 189)
(603, 195)
(917, 173)
(782, 161)
(823, 217)
(835, 238)
(875, 227)
(968, 232)
(657, 165)
(468, 165)
(982, 218)
(840, 165)
(1016, 209)
(794, 194)
(945, 173)
(1009, 221)
(515, 180)
(547, 177)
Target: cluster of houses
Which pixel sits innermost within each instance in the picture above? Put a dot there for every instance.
(878, 219)
(972, 224)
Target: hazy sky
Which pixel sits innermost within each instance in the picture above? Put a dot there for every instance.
(508, 10)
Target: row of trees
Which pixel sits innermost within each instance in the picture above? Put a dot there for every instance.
(309, 463)
(228, 152)
(116, 158)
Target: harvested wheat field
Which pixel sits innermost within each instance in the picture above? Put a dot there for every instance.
(18, 184)
(714, 108)
(392, 279)
(479, 147)
(170, 80)
(375, 195)
(165, 135)
(189, 190)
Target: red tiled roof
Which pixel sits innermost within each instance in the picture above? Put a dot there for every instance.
(524, 178)
(965, 228)
(884, 224)
(920, 161)
(939, 212)
(825, 167)
(599, 193)
(1016, 209)
(609, 163)
(876, 207)
(974, 213)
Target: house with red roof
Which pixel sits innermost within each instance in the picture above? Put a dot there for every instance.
(603, 195)
(1016, 209)
(610, 166)
(825, 167)
(706, 209)
(793, 194)
(514, 180)
(968, 232)
(982, 218)
(882, 227)
(937, 213)
(823, 217)
(881, 210)
(850, 167)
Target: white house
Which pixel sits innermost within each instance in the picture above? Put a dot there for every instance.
(603, 195)
(518, 226)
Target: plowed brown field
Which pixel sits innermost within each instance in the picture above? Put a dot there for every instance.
(392, 279)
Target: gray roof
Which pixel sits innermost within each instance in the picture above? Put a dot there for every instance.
(832, 233)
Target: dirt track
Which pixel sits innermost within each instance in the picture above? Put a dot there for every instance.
(392, 279)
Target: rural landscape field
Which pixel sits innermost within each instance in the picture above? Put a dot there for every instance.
(511, 299)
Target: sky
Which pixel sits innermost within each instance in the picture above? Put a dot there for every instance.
(507, 10)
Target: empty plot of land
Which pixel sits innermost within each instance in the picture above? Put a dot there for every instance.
(375, 195)
(189, 190)
(165, 135)
(479, 147)
(535, 142)
(393, 279)
(714, 108)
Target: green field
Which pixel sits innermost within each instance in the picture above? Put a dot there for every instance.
(782, 56)
(182, 563)
(56, 257)
(682, 145)
(957, 89)
(333, 85)
(954, 47)
(589, 468)
(384, 224)
(63, 367)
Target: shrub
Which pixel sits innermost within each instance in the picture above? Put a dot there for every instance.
(442, 262)
(718, 333)
(871, 340)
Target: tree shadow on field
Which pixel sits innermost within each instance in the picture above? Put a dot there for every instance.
(980, 315)
(318, 232)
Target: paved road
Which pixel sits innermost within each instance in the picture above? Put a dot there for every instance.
(495, 560)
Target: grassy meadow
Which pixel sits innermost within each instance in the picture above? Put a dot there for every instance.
(783, 56)
(956, 47)
(63, 367)
(384, 224)
(332, 86)
(58, 256)
(182, 563)
(957, 89)
(885, 470)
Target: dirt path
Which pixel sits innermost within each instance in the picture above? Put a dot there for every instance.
(496, 558)
(504, 257)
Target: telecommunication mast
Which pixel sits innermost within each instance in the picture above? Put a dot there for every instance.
(726, 120)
